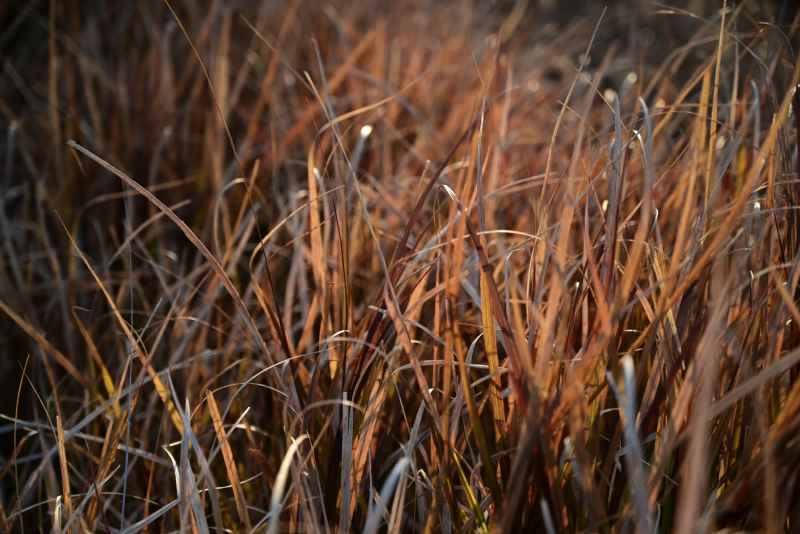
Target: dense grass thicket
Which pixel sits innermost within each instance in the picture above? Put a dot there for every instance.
(409, 266)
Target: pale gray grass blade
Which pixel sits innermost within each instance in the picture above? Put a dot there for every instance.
(189, 481)
(143, 523)
(280, 484)
(378, 509)
(614, 193)
(634, 458)
(347, 463)
(547, 516)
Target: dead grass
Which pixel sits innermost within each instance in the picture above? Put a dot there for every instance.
(426, 266)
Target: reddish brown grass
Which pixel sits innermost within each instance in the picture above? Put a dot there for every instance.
(408, 266)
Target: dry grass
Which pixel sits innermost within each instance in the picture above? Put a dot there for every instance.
(389, 267)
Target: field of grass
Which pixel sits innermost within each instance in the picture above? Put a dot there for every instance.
(411, 266)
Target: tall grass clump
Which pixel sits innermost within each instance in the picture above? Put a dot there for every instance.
(406, 266)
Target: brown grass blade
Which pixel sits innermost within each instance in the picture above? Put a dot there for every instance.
(64, 465)
(230, 463)
(161, 389)
(46, 346)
